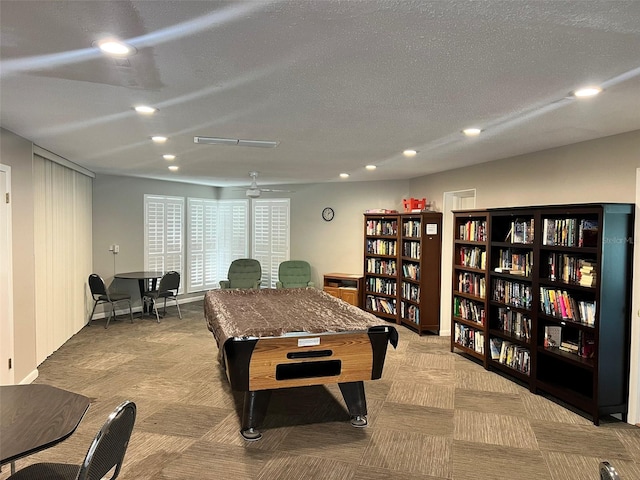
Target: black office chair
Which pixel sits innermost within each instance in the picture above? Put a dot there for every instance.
(105, 454)
(101, 294)
(168, 288)
(607, 472)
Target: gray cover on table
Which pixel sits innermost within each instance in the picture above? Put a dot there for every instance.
(273, 313)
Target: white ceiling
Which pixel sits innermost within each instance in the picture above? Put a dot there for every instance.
(339, 83)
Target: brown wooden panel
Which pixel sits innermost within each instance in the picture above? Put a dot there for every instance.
(334, 291)
(354, 350)
(350, 296)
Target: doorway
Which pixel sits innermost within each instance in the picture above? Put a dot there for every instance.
(6, 279)
(456, 200)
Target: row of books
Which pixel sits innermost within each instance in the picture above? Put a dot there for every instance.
(382, 227)
(381, 266)
(377, 304)
(410, 312)
(411, 270)
(516, 263)
(511, 293)
(382, 247)
(469, 337)
(469, 310)
(521, 231)
(473, 230)
(576, 342)
(571, 269)
(472, 283)
(381, 285)
(514, 323)
(411, 291)
(560, 304)
(473, 257)
(570, 232)
(411, 249)
(512, 355)
(412, 228)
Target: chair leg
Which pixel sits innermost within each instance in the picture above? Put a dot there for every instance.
(155, 309)
(178, 307)
(95, 304)
(130, 312)
(113, 312)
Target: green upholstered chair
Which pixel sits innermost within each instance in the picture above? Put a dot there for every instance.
(243, 273)
(294, 274)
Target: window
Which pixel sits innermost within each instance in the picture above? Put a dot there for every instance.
(218, 234)
(270, 236)
(164, 226)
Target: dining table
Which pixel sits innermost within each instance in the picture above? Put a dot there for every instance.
(35, 417)
(147, 281)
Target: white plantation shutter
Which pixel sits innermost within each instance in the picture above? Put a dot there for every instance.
(217, 233)
(164, 224)
(270, 237)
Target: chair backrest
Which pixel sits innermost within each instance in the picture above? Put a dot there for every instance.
(244, 273)
(110, 444)
(294, 273)
(170, 282)
(97, 285)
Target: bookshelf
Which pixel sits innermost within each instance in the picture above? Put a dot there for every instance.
(558, 300)
(470, 267)
(402, 268)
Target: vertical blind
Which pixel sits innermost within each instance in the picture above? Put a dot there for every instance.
(62, 253)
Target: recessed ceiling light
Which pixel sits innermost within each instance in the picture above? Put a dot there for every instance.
(145, 110)
(344, 175)
(115, 47)
(370, 167)
(587, 92)
(173, 168)
(168, 156)
(471, 132)
(410, 153)
(159, 139)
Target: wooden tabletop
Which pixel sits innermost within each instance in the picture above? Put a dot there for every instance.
(34, 417)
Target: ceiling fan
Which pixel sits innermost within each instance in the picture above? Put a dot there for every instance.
(254, 191)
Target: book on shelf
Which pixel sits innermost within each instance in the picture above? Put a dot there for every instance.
(495, 344)
(569, 347)
(588, 233)
(552, 336)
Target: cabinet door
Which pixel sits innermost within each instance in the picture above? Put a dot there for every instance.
(335, 291)
(350, 295)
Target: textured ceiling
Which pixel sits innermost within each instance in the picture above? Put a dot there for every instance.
(340, 84)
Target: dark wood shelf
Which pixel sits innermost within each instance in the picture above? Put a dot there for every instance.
(597, 385)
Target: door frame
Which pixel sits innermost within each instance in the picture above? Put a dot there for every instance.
(7, 375)
(634, 370)
(454, 200)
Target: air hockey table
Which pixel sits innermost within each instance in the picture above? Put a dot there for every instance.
(281, 338)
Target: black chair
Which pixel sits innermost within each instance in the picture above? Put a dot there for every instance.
(607, 472)
(105, 454)
(101, 294)
(168, 288)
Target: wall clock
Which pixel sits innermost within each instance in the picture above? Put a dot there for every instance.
(327, 214)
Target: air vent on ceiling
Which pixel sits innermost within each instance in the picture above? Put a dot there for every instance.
(235, 141)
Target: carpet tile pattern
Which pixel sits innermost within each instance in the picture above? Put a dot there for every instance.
(433, 415)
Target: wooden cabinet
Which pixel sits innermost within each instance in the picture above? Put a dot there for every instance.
(346, 286)
(402, 268)
(557, 299)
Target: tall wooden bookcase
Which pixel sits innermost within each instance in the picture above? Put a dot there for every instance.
(558, 282)
(402, 262)
(469, 309)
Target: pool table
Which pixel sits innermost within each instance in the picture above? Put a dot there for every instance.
(281, 338)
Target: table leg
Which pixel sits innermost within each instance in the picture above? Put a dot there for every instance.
(354, 397)
(254, 410)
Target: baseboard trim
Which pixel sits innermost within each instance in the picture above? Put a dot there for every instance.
(138, 309)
